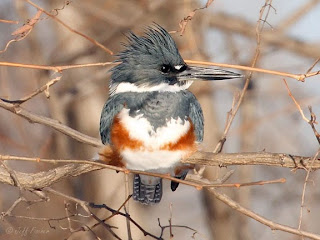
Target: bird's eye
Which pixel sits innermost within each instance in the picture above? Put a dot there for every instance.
(183, 68)
(165, 68)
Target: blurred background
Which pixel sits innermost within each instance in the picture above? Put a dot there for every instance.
(225, 32)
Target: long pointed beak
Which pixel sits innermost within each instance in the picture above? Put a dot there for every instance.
(203, 73)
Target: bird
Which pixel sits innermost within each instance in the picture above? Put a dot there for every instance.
(151, 120)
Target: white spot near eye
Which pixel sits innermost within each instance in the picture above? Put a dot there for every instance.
(178, 67)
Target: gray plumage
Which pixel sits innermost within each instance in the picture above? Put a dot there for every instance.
(143, 58)
(156, 107)
(151, 81)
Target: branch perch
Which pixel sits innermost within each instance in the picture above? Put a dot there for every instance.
(78, 167)
(260, 158)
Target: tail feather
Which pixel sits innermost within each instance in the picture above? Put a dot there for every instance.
(181, 176)
(147, 193)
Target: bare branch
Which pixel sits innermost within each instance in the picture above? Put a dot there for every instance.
(260, 158)
(235, 108)
(55, 68)
(312, 122)
(13, 206)
(272, 225)
(297, 15)
(299, 77)
(25, 29)
(44, 179)
(115, 212)
(183, 23)
(295, 102)
(238, 25)
(78, 167)
(70, 28)
(305, 187)
(34, 118)
(44, 88)
(9, 21)
(22, 32)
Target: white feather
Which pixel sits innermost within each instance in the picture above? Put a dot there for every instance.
(162, 87)
(160, 161)
(139, 128)
(151, 157)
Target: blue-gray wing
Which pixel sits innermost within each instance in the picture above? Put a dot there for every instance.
(196, 117)
(111, 108)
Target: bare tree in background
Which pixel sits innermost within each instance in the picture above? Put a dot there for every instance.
(55, 57)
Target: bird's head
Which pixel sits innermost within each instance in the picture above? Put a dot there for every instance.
(153, 63)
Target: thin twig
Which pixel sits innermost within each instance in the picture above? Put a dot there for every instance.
(299, 77)
(9, 21)
(44, 88)
(274, 39)
(305, 187)
(68, 216)
(297, 15)
(115, 213)
(22, 32)
(55, 68)
(272, 225)
(17, 39)
(83, 204)
(34, 118)
(175, 226)
(126, 205)
(183, 23)
(314, 64)
(313, 121)
(70, 28)
(104, 206)
(12, 207)
(170, 222)
(105, 225)
(295, 102)
(235, 109)
(106, 219)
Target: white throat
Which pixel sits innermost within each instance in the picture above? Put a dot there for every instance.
(163, 87)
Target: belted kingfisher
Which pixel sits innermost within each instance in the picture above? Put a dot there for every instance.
(151, 121)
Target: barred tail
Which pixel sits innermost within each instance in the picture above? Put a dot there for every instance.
(147, 189)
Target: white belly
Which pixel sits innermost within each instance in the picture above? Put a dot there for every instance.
(151, 157)
(160, 161)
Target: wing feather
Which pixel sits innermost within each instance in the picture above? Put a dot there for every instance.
(111, 108)
(196, 117)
